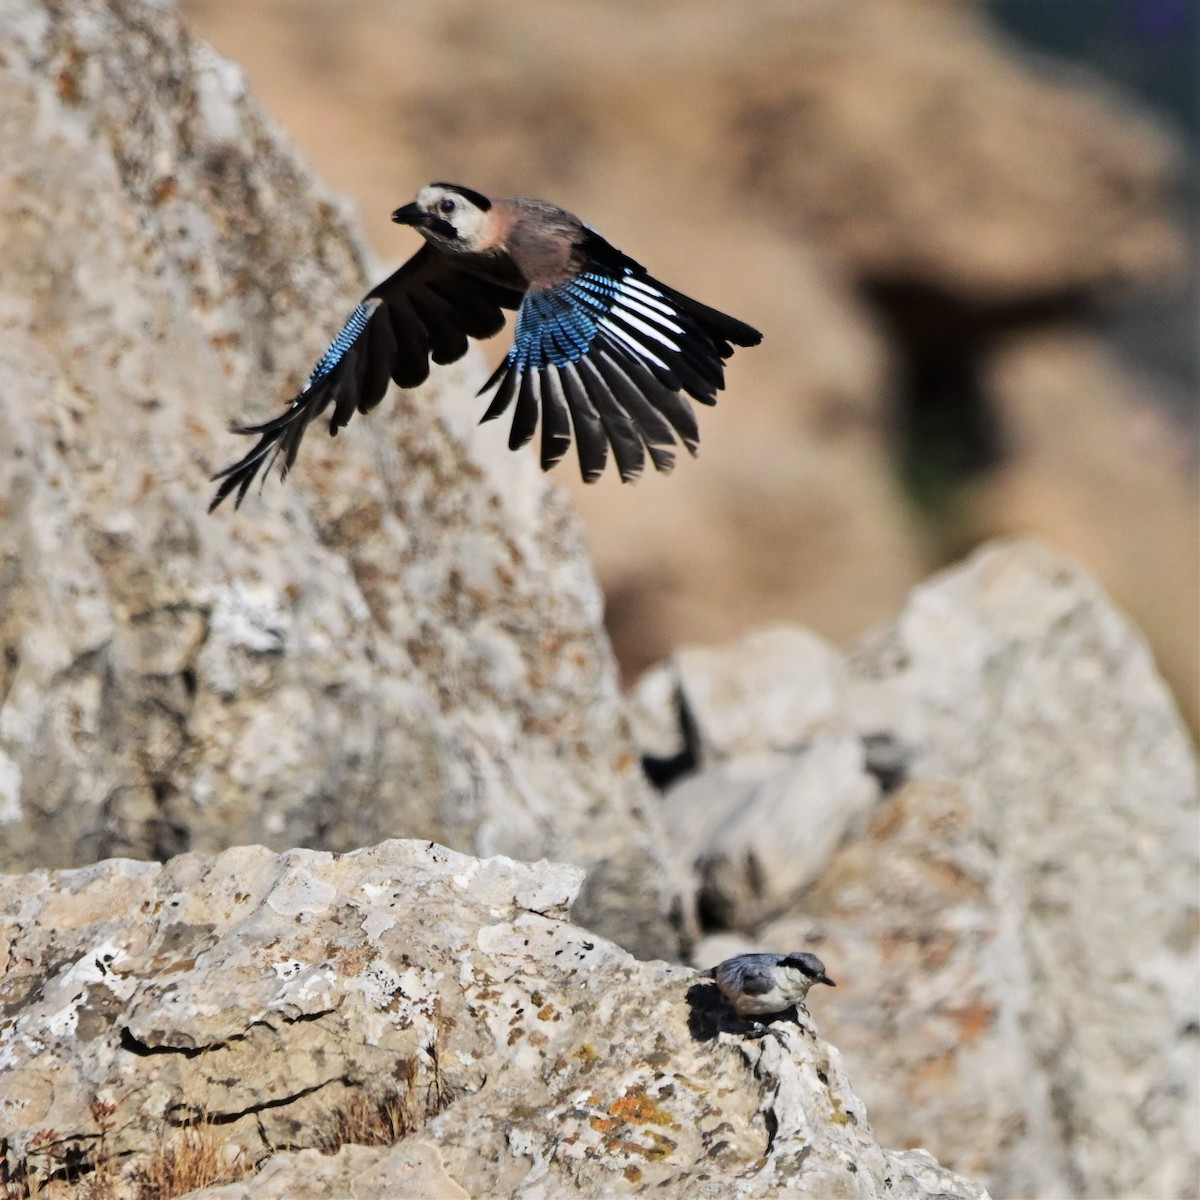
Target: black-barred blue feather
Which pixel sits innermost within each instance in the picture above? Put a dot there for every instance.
(340, 344)
(602, 352)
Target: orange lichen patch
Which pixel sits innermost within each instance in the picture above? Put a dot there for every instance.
(602, 1124)
(67, 83)
(637, 1108)
(953, 879)
(632, 1173)
(973, 1019)
(350, 960)
(546, 1012)
(587, 1053)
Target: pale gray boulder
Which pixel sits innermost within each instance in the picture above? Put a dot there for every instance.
(1016, 679)
(1013, 923)
(766, 771)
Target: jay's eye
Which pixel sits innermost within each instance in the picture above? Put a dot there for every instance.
(446, 206)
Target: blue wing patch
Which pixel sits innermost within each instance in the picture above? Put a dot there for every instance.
(614, 349)
(559, 326)
(350, 334)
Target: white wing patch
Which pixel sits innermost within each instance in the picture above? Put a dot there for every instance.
(645, 318)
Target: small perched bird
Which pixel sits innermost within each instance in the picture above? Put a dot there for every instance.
(758, 984)
(601, 347)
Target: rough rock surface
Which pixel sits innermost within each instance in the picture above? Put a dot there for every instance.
(406, 639)
(266, 994)
(1014, 929)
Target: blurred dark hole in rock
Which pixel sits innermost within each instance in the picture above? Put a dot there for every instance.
(947, 430)
(662, 772)
(887, 759)
(715, 913)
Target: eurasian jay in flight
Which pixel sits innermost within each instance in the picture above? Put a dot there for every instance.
(600, 347)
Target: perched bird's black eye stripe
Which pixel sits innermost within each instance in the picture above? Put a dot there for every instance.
(480, 201)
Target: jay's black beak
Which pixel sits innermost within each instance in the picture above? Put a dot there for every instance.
(410, 214)
(824, 979)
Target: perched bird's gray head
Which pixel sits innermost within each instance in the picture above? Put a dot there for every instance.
(809, 966)
(453, 218)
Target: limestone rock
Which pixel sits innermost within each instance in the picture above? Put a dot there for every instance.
(1016, 678)
(1012, 925)
(759, 830)
(265, 998)
(780, 775)
(742, 699)
(406, 639)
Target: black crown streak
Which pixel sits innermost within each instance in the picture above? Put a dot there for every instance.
(478, 199)
(803, 965)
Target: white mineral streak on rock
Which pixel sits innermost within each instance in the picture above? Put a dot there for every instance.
(10, 789)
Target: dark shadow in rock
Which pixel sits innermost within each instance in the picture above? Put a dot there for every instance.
(708, 1014)
(711, 1015)
(661, 772)
(888, 759)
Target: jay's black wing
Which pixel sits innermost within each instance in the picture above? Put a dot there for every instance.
(613, 354)
(425, 310)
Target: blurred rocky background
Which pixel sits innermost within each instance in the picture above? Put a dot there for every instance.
(970, 258)
(983, 816)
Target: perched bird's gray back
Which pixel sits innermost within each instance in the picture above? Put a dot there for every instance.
(757, 984)
(602, 351)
